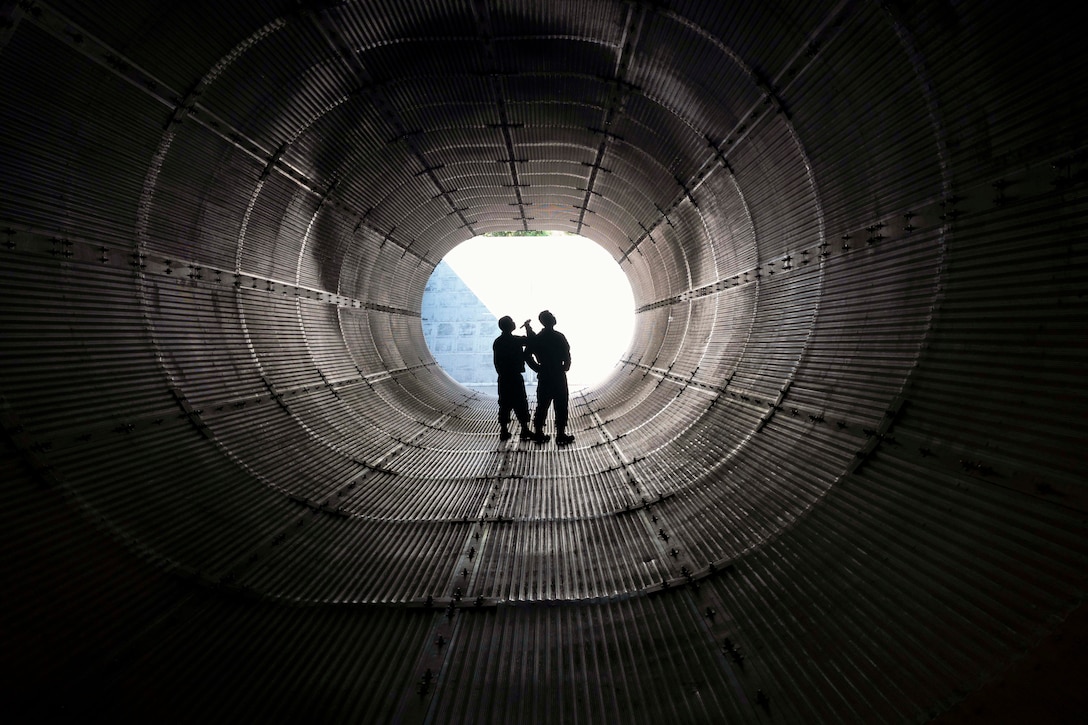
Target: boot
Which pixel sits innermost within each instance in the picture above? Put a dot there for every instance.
(561, 437)
(526, 434)
(504, 434)
(539, 436)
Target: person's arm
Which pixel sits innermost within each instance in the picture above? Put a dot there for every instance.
(531, 361)
(530, 339)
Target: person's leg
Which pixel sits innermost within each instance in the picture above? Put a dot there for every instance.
(504, 409)
(543, 401)
(562, 400)
(521, 409)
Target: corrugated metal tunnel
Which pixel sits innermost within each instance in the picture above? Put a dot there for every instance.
(837, 477)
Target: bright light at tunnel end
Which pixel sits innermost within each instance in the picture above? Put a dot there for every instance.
(572, 276)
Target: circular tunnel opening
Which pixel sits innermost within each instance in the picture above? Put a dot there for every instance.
(520, 274)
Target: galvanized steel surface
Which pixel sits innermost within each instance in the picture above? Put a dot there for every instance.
(838, 475)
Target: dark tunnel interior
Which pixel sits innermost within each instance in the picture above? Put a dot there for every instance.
(837, 476)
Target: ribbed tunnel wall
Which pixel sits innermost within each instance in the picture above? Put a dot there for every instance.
(838, 476)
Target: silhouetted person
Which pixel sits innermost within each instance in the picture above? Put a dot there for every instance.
(510, 356)
(549, 355)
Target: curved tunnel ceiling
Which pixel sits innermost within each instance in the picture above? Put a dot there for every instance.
(844, 442)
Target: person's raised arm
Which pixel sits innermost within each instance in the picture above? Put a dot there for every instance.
(530, 338)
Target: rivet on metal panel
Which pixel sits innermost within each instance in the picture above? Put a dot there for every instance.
(65, 247)
(976, 467)
(733, 652)
(113, 61)
(425, 682)
(907, 226)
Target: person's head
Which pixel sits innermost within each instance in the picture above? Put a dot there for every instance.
(547, 319)
(506, 323)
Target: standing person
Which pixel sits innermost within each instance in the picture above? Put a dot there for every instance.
(548, 353)
(509, 356)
